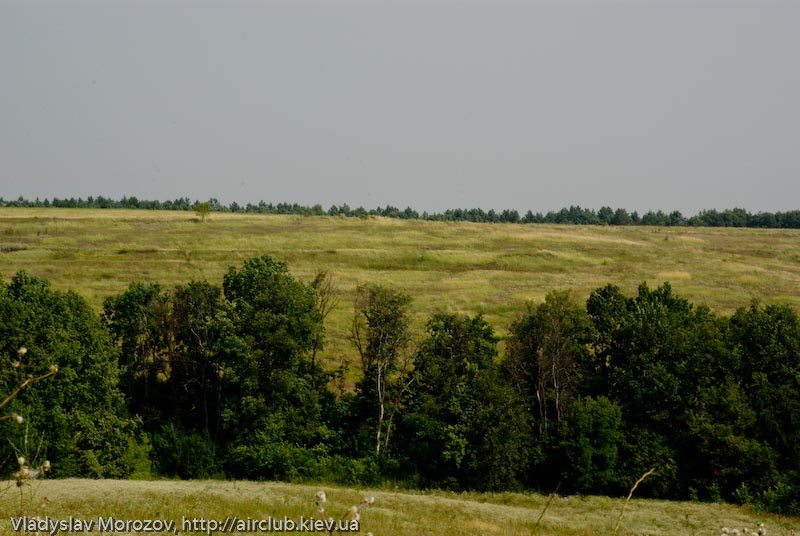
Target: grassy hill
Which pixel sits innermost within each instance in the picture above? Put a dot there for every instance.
(463, 267)
(445, 267)
(393, 513)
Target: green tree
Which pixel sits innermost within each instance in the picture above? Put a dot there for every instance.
(203, 210)
(276, 323)
(665, 363)
(380, 333)
(139, 321)
(765, 344)
(547, 355)
(464, 427)
(78, 414)
(199, 320)
(591, 437)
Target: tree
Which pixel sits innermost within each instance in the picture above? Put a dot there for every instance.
(79, 413)
(380, 333)
(139, 322)
(665, 364)
(765, 341)
(591, 437)
(546, 355)
(276, 314)
(203, 210)
(546, 360)
(271, 414)
(201, 330)
(621, 217)
(463, 427)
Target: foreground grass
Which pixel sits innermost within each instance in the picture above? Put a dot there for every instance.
(393, 513)
(453, 267)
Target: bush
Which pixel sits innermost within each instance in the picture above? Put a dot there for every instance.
(353, 471)
(782, 498)
(272, 458)
(185, 455)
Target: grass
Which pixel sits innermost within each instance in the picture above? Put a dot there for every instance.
(393, 513)
(445, 266)
(457, 267)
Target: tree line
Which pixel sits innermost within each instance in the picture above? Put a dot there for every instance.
(206, 380)
(576, 215)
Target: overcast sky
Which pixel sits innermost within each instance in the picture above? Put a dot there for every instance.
(433, 105)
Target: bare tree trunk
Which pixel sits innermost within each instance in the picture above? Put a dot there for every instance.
(394, 411)
(381, 411)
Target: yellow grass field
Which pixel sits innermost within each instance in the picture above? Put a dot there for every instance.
(394, 512)
(457, 267)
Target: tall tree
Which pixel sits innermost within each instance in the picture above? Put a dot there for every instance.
(271, 405)
(139, 321)
(547, 354)
(464, 427)
(380, 333)
(199, 320)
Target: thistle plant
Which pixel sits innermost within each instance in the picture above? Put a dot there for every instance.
(25, 382)
(26, 473)
(759, 530)
(353, 513)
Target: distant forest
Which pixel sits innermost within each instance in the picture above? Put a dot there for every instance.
(736, 217)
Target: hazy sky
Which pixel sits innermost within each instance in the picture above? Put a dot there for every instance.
(436, 104)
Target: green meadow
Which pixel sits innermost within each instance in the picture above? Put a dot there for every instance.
(454, 267)
(394, 512)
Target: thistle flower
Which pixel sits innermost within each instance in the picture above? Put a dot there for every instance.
(17, 418)
(22, 351)
(54, 368)
(21, 461)
(320, 495)
(46, 466)
(368, 500)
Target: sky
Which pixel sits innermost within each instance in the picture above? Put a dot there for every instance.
(679, 105)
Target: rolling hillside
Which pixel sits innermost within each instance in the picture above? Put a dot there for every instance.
(464, 267)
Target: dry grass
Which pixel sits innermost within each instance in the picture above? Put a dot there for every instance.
(457, 267)
(393, 513)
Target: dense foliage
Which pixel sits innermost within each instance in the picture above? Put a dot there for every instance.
(76, 417)
(205, 380)
(736, 217)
